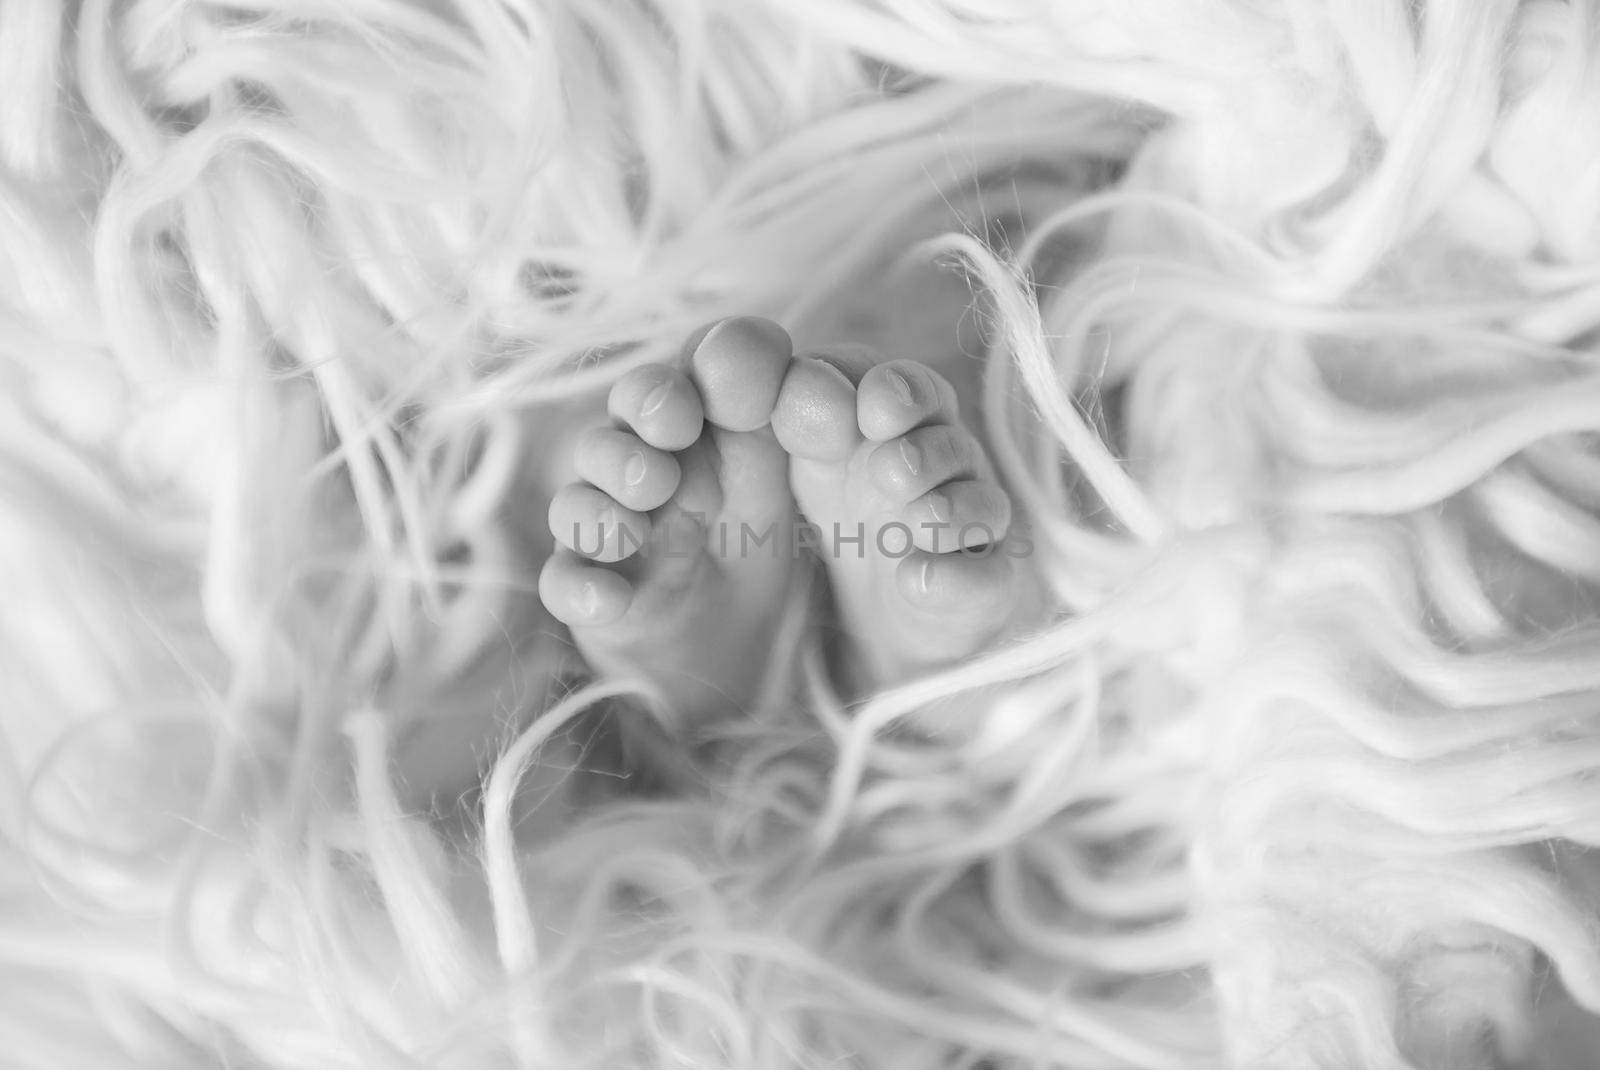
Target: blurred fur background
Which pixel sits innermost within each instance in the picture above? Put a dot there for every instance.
(1286, 313)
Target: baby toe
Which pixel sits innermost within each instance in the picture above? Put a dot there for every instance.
(660, 404)
(815, 416)
(963, 514)
(580, 595)
(636, 474)
(972, 592)
(591, 523)
(901, 395)
(739, 367)
(915, 463)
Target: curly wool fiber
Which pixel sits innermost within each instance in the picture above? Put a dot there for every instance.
(1285, 316)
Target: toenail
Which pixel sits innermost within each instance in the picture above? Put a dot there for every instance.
(838, 372)
(655, 399)
(633, 470)
(901, 387)
(925, 577)
(911, 456)
(939, 506)
(589, 599)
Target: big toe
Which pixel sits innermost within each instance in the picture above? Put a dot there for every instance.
(739, 366)
(815, 417)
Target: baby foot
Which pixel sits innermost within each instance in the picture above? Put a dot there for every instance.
(909, 516)
(677, 552)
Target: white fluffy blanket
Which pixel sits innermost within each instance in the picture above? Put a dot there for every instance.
(1288, 315)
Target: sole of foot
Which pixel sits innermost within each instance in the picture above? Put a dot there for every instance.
(675, 552)
(910, 518)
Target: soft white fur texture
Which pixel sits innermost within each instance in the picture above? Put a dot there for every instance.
(1287, 315)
